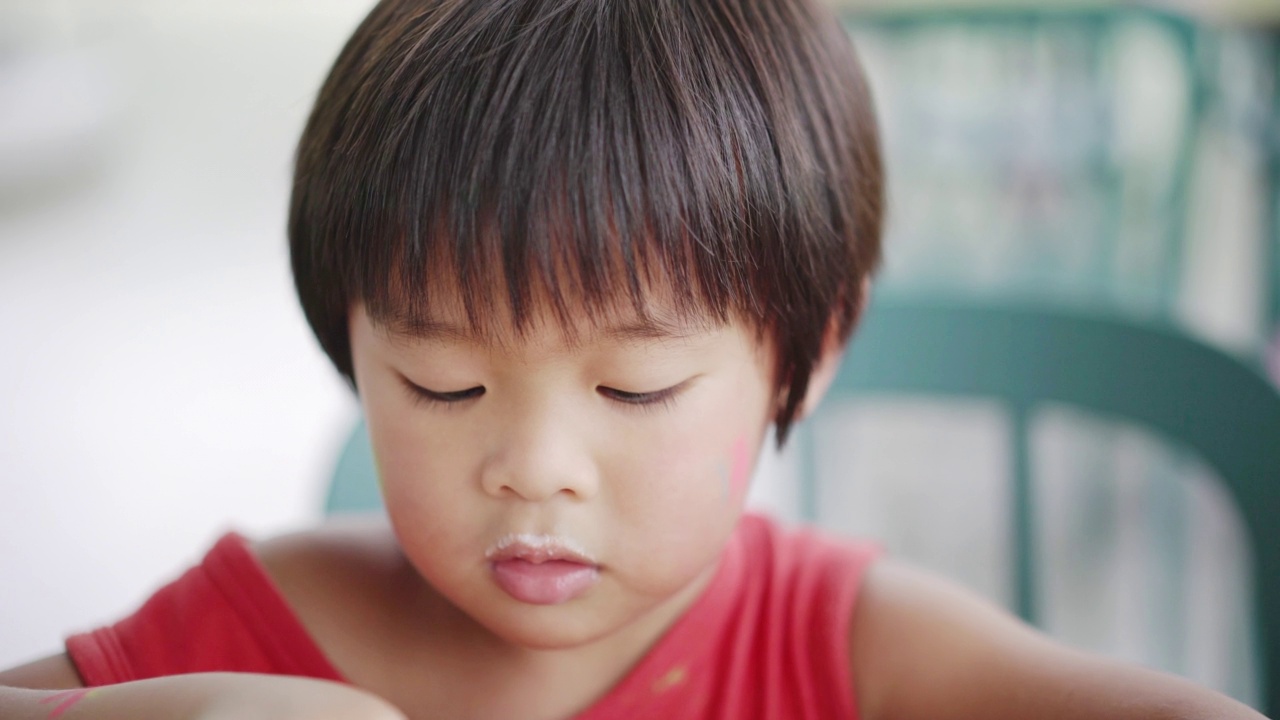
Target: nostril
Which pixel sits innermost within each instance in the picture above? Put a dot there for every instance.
(537, 489)
(537, 465)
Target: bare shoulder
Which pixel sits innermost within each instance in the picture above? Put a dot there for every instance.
(361, 547)
(923, 647)
(348, 583)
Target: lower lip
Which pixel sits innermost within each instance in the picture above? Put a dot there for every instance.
(546, 583)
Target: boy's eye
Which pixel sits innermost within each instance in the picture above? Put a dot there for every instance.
(423, 395)
(657, 397)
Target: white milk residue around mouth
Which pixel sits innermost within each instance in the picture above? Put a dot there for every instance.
(540, 545)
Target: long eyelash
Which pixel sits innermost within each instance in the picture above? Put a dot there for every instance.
(659, 400)
(425, 397)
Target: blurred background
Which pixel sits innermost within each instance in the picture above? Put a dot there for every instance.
(158, 384)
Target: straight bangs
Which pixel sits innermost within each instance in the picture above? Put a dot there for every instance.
(531, 158)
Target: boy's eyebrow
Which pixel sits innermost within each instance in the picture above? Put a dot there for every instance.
(632, 330)
(651, 329)
(426, 330)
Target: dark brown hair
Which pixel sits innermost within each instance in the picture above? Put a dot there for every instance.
(571, 151)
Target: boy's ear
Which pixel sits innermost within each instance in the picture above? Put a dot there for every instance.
(828, 364)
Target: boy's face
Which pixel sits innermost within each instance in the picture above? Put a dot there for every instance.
(564, 492)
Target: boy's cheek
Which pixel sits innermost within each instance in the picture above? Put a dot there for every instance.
(691, 472)
(738, 473)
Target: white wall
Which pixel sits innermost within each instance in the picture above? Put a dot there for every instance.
(157, 381)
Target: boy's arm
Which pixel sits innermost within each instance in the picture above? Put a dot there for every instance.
(52, 673)
(921, 648)
(50, 689)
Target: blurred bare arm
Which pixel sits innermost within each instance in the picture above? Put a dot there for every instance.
(921, 648)
(50, 689)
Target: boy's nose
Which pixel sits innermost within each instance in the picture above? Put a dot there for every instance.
(537, 461)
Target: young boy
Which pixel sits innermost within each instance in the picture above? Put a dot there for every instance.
(577, 257)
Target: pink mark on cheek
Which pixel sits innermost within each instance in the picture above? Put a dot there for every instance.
(740, 470)
(64, 700)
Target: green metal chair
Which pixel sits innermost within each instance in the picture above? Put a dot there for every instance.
(1272, 223)
(354, 486)
(1027, 358)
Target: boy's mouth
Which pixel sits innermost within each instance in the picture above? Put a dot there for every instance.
(541, 569)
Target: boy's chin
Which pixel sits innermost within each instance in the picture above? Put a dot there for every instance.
(551, 627)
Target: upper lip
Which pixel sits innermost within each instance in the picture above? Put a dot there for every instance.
(537, 548)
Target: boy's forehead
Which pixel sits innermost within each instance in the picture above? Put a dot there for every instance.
(618, 321)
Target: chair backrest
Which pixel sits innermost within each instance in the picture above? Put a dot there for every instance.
(1153, 377)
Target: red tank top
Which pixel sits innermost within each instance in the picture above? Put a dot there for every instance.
(767, 639)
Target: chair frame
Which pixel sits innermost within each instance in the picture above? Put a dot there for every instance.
(1152, 375)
